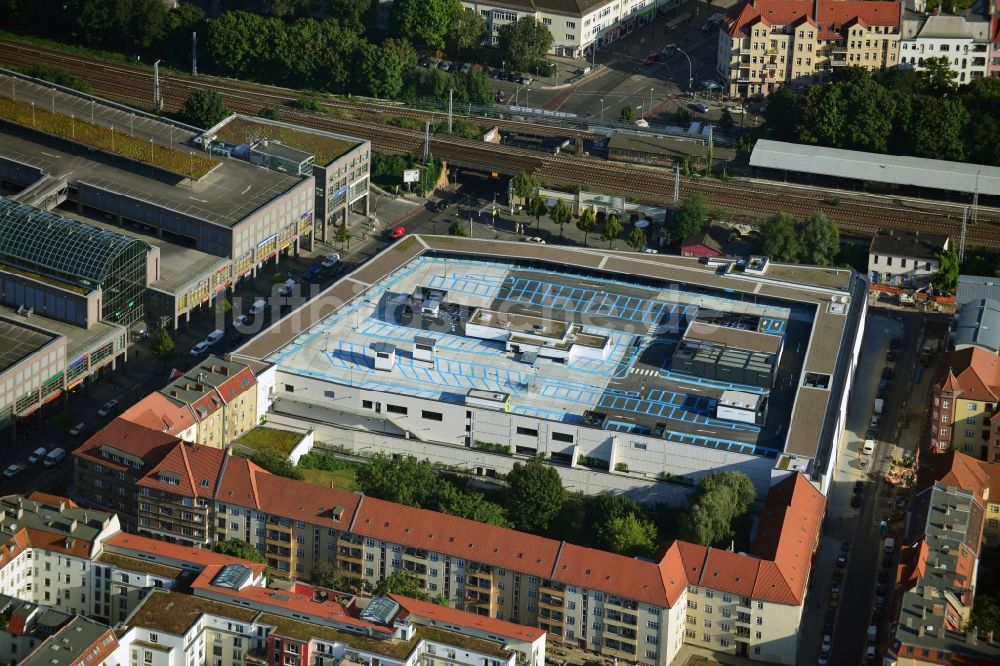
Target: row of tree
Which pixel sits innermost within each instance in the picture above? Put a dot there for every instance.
(815, 240)
(291, 47)
(902, 112)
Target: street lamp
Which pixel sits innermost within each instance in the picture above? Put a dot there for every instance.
(690, 76)
(651, 102)
(602, 110)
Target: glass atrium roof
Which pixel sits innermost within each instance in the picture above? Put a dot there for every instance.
(35, 238)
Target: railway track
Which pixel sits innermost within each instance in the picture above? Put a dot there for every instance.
(133, 85)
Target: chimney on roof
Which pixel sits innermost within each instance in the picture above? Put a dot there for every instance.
(62, 506)
(920, 630)
(20, 512)
(72, 526)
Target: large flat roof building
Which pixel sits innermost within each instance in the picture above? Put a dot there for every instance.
(243, 211)
(448, 344)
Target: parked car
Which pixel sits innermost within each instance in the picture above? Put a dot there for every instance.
(894, 344)
(465, 68)
(110, 405)
(536, 239)
(855, 500)
(701, 107)
(887, 373)
(883, 576)
(500, 97)
(287, 288)
(890, 356)
(14, 470)
(859, 486)
(845, 546)
(37, 455)
(495, 73)
(77, 429)
(197, 351)
(650, 250)
(841, 561)
(241, 321)
(397, 232)
(445, 65)
(876, 421)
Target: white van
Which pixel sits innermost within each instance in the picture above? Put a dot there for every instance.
(287, 288)
(258, 307)
(37, 455)
(869, 447)
(54, 457)
(215, 337)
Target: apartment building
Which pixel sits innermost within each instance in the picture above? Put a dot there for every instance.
(963, 41)
(936, 578)
(766, 44)
(964, 413)
(622, 607)
(991, 532)
(107, 466)
(221, 396)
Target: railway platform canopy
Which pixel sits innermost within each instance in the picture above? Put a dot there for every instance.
(879, 172)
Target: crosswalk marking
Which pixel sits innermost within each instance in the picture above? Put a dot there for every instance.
(648, 372)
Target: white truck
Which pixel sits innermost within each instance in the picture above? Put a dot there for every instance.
(879, 405)
(890, 545)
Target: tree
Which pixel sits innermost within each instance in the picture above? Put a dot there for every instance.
(783, 114)
(778, 238)
(457, 228)
(162, 346)
(64, 420)
(524, 42)
(523, 186)
(405, 480)
(538, 207)
(946, 277)
(290, 8)
(268, 112)
(682, 116)
(820, 240)
(824, 116)
(587, 223)
(872, 109)
(467, 31)
(204, 109)
(326, 574)
(726, 121)
(690, 218)
(717, 501)
(612, 230)
(277, 465)
(938, 76)
(535, 495)
(471, 505)
(240, 549)
(476, 88)
(403, 582)
(383, 65)
(425, 22)
(985, 615)
(636, 239)
(343, 236)
(630, 535)
(627, 114)
(351, 14)
(560, 215)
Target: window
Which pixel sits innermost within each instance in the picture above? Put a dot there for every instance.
(758, 635)
(367, 404)
(546, 21)
(530, 432)
(431, 416)
(724, 642)
(972, 406)
(396, 409)
(726, 597)
(652, 625)
(692, 604)
(708, 609)
(154, 638)
(562, 437)
(708, 623)
(570, 24)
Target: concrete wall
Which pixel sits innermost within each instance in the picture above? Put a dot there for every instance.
(477, 462)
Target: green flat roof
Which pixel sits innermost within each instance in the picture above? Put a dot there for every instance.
(323, 145)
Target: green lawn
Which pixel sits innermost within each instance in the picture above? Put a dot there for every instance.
(270, 440)
(341, 478)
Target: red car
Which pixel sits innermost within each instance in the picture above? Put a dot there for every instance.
(397, 232)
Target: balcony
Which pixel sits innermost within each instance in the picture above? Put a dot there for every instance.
(550, 615)
(620, 618)
(743, 618)
(415, 553)
(744, 602)
(550, 601)
(552, 585)
(771, 65)
(624, 603)
(620, 632)
(477, 598)
(419, 569)
(475, 567)
(484, 583)
(349, 553)
(743, 632)
(278, 537)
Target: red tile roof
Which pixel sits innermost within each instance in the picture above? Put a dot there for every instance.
(239, 383)
(197, 469)
(993, 473)
(954, 468)
(52, 500)
(457, 537)
(609, 572)
(158, 413)
(130, 438)
(439, 613)
(976, 371)
(59, 543)
(296, 500)
(169, 553)
(831, 16)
